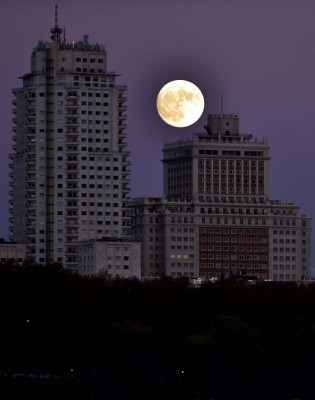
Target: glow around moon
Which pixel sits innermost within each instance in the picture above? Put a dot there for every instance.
(180, 103)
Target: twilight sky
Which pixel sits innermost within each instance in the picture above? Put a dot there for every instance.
(259, 53)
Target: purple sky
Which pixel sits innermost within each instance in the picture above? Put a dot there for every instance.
(259, 53)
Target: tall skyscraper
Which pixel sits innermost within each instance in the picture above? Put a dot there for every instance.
(69, 166)
(216, 215)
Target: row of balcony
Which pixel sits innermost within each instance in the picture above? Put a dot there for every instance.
(72, 149)
(71, 235)
(72, 187)
(70, 140)
(126, 162)
(72, 114)
(31, 110)
(72, 194)
(72, 223)
(73, 122)
(31, 159)
(31, 149)
(30, 115)
(72, 96)
(122, 134)
(31, 189)
(71, 104)
(71, 161)
(122, 145)
(30, 103)
(73, 178)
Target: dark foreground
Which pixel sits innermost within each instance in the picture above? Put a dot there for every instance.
(67, 337)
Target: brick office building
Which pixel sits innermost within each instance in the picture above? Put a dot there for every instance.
(216, 215)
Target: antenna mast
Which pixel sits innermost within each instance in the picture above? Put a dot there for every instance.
(221, 111)
(56, 31)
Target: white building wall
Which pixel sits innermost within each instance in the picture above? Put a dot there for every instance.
(115, 259)
(12, 251)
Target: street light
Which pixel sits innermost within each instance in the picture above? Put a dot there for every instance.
(179, 373)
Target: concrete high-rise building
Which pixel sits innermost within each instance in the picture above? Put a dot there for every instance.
(69, 165)
(221, 162)
(216, 215)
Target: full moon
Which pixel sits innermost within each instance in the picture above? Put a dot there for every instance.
(180, 103)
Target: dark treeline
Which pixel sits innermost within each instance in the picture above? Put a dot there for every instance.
(96, 338)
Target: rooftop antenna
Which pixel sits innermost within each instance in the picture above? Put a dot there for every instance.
(56, 31)
(221, 111)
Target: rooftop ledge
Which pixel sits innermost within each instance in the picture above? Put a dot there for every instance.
(206, 138)
(80, 45)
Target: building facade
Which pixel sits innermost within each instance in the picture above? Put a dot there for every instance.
(216, 216)
(69, 165)
(221, 162)
(12, 251)
(118, 258)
